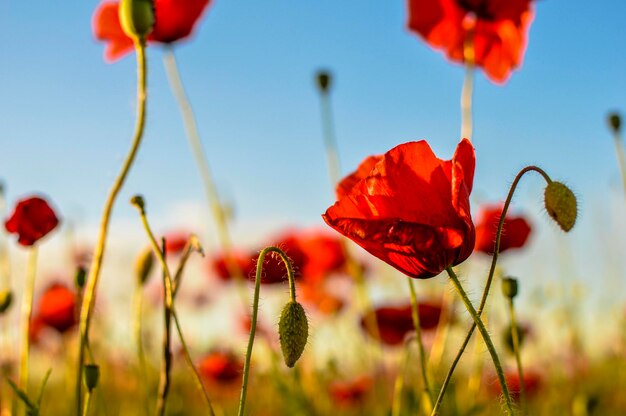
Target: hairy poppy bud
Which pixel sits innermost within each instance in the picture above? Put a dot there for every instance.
(509, 287)
(80, 277)
(143, 265)
(293, 329)
(615, 122)
(6, 299)
(92, 375)
(136, 17)
(323, 79)
(561, 205)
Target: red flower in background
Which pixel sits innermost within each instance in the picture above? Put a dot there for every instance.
(57, 307)
(174, 20)
(515, 230)
(532, 383)
(350, 392)
(395, 322)
(497, 28)
(323, 255)
(31, 220)
(175, 242)
(220, 366)
(315, 295)
(412, 209)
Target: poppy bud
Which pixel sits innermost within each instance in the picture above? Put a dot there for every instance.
(508, 337)
(323, 81)
(92, 375)
(293, 329)
(615, 122)
(80, 277)
(561, 205)
(6, 299)
(143, 265)
(509, 287)
(136, 17)
(138, 201)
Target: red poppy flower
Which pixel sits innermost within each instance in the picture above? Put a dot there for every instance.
(57, 307)
(395, 322)
(220, 366)
(350, 392)
(412, 209)
(315, 295)
(32, 219)
(497, 28)
(515, 230)
(175, 242)
(323, 255)
(532, 383)
(174, 20)
(244, 262)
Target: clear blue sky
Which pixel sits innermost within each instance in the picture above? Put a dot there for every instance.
(66, 116)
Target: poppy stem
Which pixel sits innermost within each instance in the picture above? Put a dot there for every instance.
(89, 299)
(398, 387)
(138, 332)
(169, 304)
(166, 364)
(420, 345)
(485, 335)
(518, 357)
(87, 403)
(621, 155)
(27, 311)
(467, 92)
(255, 312)
(195, 143)
(492, 270)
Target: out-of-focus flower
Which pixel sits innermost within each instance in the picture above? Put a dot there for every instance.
(220, 367)
(395, 322)
(175, 242)
(498, 30)
(532, 383)
(515, 230)
(323, 254)
(350, 392)
(411, 209)
(34, 329)
(317, 296)
(174, 20)
(31, 220)
(57, 307)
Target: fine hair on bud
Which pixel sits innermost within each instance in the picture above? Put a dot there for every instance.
(293, 329)
(561, 205)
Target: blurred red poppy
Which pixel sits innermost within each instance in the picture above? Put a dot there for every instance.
(174, 20)
(57, 307)
(220, 367)
(243, 261)
(498, 30)
(318, 297)
(175, 242)
(412, 209)
(31, 220)
(350, 392)
(532, 383)
(323, 255)
(515, 230)
(395, 322)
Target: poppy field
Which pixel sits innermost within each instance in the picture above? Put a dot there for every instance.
(296, 209)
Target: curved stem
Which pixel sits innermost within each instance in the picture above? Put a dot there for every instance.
(468, 87)
(518, 357)
(492, 270)
(27, 311)
(420, 345)
(89, 299)
(486, 337)
(255, 312)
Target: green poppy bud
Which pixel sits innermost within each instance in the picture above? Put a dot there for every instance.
(92, 375)
(508, 337)
(615, 122)
(137, 18)
(323, 79)
(143, 265)
(80, 277)
(509, 287)
(561, 205)
(6, 299)
(293, 329)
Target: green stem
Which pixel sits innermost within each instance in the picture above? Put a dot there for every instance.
(27, 311)
(420, 345)
(169, 299)
(255, 312)
(398, 387)
(87, 403)
(518, 357)
(621, 156)
(467, 91)
(94, 272)
(166, 364)
(138, 332)
(492, 270)
(485, 335)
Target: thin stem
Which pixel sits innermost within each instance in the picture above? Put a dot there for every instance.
(87, 403)
(441, 334)
(485, 335)
(621, 156)
(398, 387)
(94, 271)
(169, 301)
(166, 364)
(138, 332)
(518, 357)
(420, 345)
(492, 270)
(27, 311)
(468, 87)
(255, 312)
(199, 155)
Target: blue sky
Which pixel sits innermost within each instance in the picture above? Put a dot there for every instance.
(67, 116)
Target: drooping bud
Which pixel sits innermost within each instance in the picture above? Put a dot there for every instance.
(293, 329)
(509, 287)
(143, 265)
(323, 79)
(6, 299)
(561, 205)
(92, 375)
(615, 122)
(136, 18)
(80, 277)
